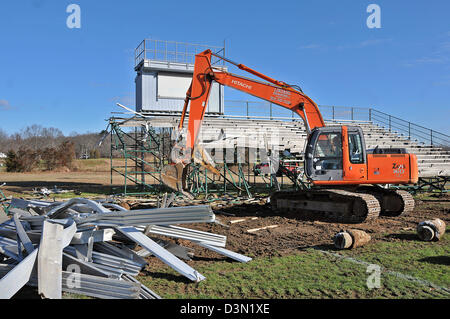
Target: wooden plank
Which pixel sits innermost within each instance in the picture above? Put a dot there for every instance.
(242, 220)
(262, 228)
(237, 221)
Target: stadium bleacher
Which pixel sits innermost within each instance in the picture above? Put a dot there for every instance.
(291, 135)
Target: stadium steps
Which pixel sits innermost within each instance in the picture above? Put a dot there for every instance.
(291, 135)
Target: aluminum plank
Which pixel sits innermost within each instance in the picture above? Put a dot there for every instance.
(165, 256)
(226, 252)
(18, 277)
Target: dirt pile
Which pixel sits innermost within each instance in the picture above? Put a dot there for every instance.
(294, 233)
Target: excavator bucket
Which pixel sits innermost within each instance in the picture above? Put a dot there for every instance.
(174, 176)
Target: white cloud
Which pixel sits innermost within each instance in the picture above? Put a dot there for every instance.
(99, 84)
(127, 100)
(5, 105)
(363, 44)
(311, 46)
(371, 42)
(444, 47)
(438, 56)
(441, 83)
(359, 45)
(432, 59)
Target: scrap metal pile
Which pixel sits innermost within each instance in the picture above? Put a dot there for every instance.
(88, 247)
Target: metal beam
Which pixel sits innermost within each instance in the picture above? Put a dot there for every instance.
(188, 234)
(227, 253)
(54, 239)
(157, 216)
(18, 277)
(165, 256)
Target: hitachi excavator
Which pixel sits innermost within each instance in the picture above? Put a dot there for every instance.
(347, 180)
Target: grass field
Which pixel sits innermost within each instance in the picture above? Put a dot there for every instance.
(311, 273)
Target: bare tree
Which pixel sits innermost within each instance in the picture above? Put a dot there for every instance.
(39, 138)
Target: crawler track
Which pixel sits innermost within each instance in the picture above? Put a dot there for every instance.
(408, 200)
(334, 205)
(393, 203)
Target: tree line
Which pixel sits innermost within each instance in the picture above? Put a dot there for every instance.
(36, 137)
(49, 148)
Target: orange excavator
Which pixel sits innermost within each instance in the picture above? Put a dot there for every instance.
(346, 178)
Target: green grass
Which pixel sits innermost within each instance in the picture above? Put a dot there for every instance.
(93, 163)
(425, 260)
(313, 274)
(70, 195)
(429, 195)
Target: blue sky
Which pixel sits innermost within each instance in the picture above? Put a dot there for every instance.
(71, 78)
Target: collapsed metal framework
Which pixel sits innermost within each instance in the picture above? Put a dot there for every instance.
(82, 246)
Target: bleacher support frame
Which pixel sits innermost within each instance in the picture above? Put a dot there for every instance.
(136, 146)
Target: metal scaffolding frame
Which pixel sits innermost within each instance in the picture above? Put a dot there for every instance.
(143, 151)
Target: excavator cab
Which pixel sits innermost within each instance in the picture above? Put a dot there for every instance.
(325, 150)
(337, 155)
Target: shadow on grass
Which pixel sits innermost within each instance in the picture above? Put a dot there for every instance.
(437, 260)
(211, 259)
(94, 188)
(326, 247)
(52, 184)
(404, 236)
(20, 186)
(265, 210)
(170, 277)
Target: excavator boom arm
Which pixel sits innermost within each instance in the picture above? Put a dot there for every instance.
(276, 92)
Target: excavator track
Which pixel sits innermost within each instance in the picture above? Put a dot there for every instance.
(393, 203)
(408, 200)
(335, 205)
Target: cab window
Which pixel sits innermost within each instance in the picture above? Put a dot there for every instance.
(328, 152)
(355, 148)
